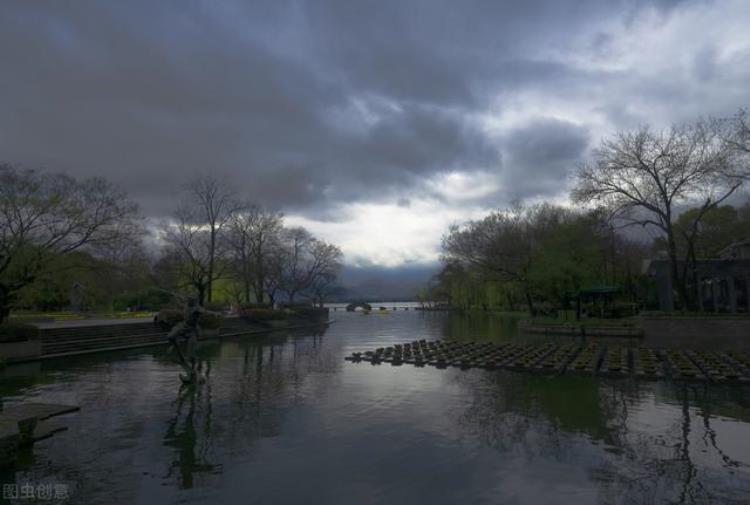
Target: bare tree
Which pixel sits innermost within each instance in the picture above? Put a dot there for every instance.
(274, 276)
(306, 259)
(323, 287)
(254, 234)
(43, 216)
(323, 270)
(294, 276)
(209, 203)
(740, 132)
(642, 176)
(240, 244)
(186, 261)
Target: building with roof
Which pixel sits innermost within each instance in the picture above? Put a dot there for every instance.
(721, 284)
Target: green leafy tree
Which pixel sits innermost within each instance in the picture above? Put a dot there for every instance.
(502, 246)
(563, 251)
(45, 216)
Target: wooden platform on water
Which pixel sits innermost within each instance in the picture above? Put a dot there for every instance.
(595, 359)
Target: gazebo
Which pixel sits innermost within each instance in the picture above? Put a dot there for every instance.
(602, 295)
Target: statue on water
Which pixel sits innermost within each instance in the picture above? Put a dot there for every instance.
(183, 339)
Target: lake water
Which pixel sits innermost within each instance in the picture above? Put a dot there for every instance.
(284, 419)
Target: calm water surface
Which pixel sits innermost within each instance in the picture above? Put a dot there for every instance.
(284, 419)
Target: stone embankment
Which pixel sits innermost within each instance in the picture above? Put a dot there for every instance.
(55, 342)
(578, 330)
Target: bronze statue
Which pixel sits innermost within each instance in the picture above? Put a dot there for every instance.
(186, 333)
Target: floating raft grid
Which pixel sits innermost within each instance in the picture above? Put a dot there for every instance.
(586, 359)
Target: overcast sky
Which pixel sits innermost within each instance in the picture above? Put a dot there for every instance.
(374, 124)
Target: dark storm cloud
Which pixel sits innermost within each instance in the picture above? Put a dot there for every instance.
(303, 105)
(540, 155)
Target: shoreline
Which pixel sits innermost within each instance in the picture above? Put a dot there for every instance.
(96, 338)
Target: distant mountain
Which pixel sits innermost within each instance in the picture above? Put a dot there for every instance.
(384, 284)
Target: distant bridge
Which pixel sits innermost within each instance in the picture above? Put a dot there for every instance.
(367, 307)
(355, 305)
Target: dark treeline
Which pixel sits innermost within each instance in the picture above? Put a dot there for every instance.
(216, 240)
(542, 255)
(673, 185)
(82, 245)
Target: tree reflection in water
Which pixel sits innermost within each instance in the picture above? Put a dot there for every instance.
(250, 401)
(633, 458)
(189, 433)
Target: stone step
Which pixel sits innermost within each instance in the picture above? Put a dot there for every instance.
(100, 337)
(104, 345)
(85, 327)
(100, 343)
(77, 352)
(65, 334)
(104, 340)
(116, 340)
(105, 334)
(93, 333)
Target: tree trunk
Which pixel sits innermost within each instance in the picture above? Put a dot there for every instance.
(211, 259)
(614, 257)
(678, 281)
(529, 303)
(259, 293)
(246, 286)
(511, 304)
(209, 287)
(696, 291)
(4, 304)
(259, 283)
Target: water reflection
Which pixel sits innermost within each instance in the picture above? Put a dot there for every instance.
(191, 443)
(284, 419)
(250, 396)
(652, 452)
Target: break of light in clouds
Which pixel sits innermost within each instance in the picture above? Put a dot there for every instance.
(374, 124)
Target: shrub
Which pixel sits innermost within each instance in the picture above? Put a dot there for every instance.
(216, 306)
(170, 317)
(254, 306)
(211, 321)
(17, 332)
(308, 312)
(265, 314)
(624, 309)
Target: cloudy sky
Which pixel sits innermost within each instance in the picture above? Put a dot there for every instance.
(374, 124)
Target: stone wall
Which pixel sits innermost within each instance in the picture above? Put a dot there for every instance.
(708, 332)
(20, 351)
(576, 330)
